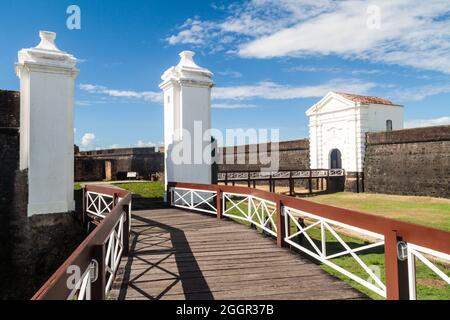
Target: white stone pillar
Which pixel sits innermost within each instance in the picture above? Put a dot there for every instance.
(187, 106)
(46, 129)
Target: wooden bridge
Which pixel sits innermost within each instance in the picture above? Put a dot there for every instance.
(180, 255)
(196, 250)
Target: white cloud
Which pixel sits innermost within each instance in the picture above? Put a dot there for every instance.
(194, 32)
(83, 103)
(366, 72)
(233, 106)
(354, 72)
(410, 35)
(262, 90)
(114, 146)
(230, 73)
(145, 95)
(413, 33)
(88, 140)
(274, 91)
(314, 69)
(419, 93)
(249, 19)
(418, 123)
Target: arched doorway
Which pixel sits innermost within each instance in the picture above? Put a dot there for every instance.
(335, 159)
(389, 125)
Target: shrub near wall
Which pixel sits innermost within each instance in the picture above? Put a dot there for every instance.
(409, 162)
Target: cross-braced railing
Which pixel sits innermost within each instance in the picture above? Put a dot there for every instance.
(431, 259)
(99, 204)
(254, 210)
(327, 234)
(199, 200)
(90, 271)
(114, 250)
(305, 223)
(237, 176)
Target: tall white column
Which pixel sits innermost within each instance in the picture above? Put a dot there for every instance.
(46, 129)
(187, 117)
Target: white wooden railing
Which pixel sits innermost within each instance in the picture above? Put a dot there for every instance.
(426, 256)
(305, 222)
(257, 211)
(98, 258)
(191, 199)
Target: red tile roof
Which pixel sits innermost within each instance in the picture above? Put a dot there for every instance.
(367, 99)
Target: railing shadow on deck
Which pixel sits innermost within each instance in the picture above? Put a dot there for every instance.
(141, 203)
(180, 245)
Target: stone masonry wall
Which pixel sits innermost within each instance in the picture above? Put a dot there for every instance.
(409, 162)
(90, 165)
(9, 160)
(293, 155)
(31, 249)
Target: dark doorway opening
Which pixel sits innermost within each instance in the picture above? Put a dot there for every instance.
(335, 159)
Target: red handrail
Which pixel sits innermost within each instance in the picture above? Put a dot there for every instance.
(91, 248)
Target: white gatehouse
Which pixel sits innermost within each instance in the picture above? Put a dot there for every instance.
(338, 126)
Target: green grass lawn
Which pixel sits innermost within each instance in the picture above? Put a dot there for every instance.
(425, 211)
(150, 190)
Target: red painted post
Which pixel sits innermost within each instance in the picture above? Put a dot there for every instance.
(281, 232)
(169, 196)
(98, 287)
(83, 213)
(396, 270)
(115, 199)
(126, 230)
(219, 203)
(310, 185)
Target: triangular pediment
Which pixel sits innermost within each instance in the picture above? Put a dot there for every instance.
(332, 102)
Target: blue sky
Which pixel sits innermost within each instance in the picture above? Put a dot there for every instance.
(272, 59)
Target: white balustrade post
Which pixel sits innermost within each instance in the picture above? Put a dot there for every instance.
(187, 120)
(47, 77)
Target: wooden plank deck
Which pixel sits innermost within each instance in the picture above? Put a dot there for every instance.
(178, 255)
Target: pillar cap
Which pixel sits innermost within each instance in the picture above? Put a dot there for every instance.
(187, 60)
(47, 41)
(187, 71)
(46, 53)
